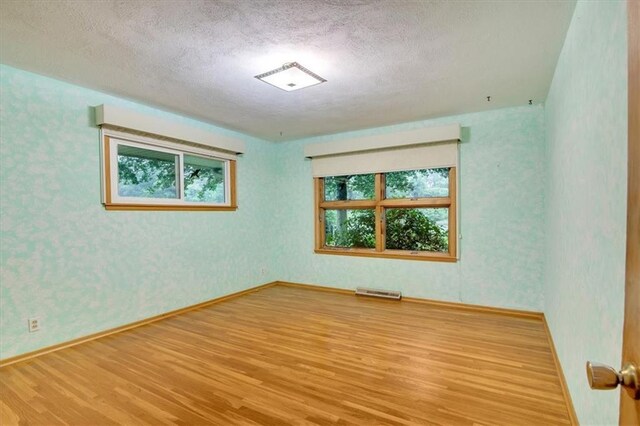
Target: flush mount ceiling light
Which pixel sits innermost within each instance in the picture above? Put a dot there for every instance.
(291, 76)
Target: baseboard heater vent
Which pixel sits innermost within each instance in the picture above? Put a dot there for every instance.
(386, 294)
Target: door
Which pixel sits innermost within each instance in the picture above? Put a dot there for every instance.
(630, 407)
(602, 376)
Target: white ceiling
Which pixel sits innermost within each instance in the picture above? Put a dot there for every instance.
(386, 61)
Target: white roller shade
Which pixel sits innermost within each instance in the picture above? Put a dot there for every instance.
(111, 117)
(392, 160)
(415, 149)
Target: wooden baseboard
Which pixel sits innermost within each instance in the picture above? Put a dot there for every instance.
(436, 303)
(519, 313)
(18, 358)
(314, 287)
(563, 383)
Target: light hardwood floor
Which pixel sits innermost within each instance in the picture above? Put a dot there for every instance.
(286, 355)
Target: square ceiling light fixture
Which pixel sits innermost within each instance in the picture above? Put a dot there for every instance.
(291, 76)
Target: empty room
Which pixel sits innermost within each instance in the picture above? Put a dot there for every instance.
(319, 212)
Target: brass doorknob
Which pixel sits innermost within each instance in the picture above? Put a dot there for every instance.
(602, 376)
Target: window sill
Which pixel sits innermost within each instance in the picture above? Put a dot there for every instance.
(389, 254)
(165, 207)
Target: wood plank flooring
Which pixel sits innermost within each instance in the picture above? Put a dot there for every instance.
(287, 355)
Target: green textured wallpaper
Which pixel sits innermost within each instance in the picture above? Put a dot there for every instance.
(501, 218)
(542, 216)
(82, 269)
(586, 133)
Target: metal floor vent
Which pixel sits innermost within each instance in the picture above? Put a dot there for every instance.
(386, 294)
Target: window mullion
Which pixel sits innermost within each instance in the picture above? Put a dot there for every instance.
(379, 196)
(417, 202)
(348, 204)
(180, 176)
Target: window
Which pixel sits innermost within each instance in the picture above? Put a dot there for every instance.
(141, 173)
(388, 194)
(407, 214)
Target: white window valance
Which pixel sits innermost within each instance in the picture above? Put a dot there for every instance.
(413, 149)
(125, 120)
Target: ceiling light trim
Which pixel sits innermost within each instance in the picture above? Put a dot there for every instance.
(318, 80)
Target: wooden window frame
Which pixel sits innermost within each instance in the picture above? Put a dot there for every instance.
(152, 205)
(379, 204)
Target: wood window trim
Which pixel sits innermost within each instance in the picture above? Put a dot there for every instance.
(379, 204)
(110, 205)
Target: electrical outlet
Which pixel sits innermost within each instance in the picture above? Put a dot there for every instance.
(34, 324)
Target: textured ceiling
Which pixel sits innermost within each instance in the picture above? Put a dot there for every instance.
(386, 62)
